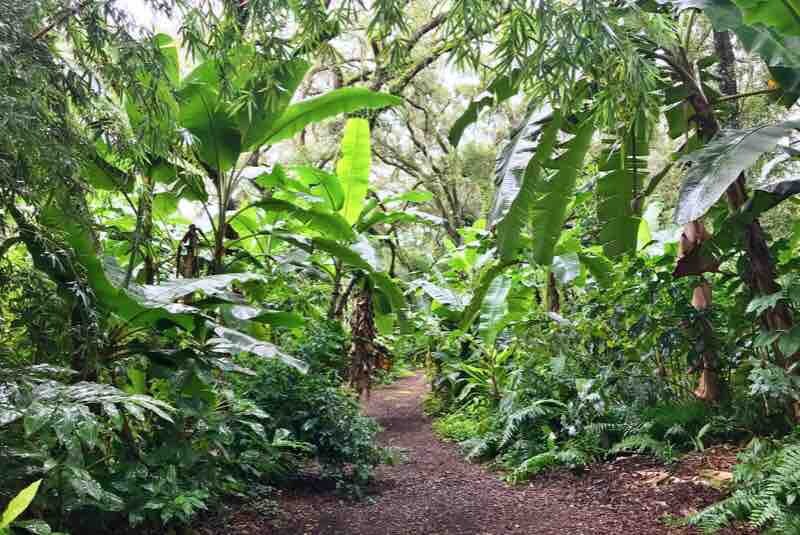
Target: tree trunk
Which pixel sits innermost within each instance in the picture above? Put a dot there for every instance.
(553, 299)
(337, 289)
(760, 275)
(365, 353)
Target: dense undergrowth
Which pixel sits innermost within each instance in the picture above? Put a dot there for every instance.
(604, 377)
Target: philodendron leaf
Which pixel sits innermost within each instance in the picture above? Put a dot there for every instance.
(19, 503)
(718, 164)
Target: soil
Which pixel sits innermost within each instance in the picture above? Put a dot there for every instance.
(434, 491)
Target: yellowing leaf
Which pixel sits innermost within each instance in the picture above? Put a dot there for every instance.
(18, 505)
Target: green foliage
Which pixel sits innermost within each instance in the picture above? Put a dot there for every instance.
(765, 492)
(18, 505)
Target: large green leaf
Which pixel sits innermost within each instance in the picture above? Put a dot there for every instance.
(338, 101)
(500, 90)
(783, 15)
(623, 166)
(276, 318)
(257, 119)
(329, 184)
(232, 341)
(19, 503)
(779, 49)
(102, 174)
(327, 223)
(554, 193)
(353, 167)
(494, 309)
(599, 267)
(440, 294)
(487, 277)
(510, 228)
(717, 165)
(169, 57)
(202, 112)
(109, 296)
(212, 286)
(513, 161)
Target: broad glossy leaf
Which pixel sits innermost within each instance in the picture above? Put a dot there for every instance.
(599, 267)
(623, 169)
(169, 57)
(440, 294)
(232, 341)
(218, 141)
(345, 100)
(330, 184)
(110, 297)
(388, 287)
(513, 161)
(554, 193)
(566, 267)
(511, 227)
(276, 318)
(488, 275)
(779, 50)
(329, 224)
(718, 164)
(415, 196)
(101, 174)
(494, 309)
(368, 252)
(257, 120)
(353, 168)
(212, 286)
(784, 15)
(164, 204)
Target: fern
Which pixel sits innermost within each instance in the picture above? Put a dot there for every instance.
(532, 466)
(479, 447)
(642, 443)
(767, 497)
(535, 410)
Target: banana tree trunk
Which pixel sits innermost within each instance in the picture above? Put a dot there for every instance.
(760, 274)
(553, 299)
(366, 354)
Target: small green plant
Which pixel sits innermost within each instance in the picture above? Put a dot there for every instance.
(17, 506)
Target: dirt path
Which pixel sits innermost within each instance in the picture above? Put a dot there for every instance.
(435, 492)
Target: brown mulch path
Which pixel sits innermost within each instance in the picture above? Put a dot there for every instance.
(435, 492)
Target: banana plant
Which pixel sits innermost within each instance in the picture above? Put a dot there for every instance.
(226, 111)
(321, 212)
